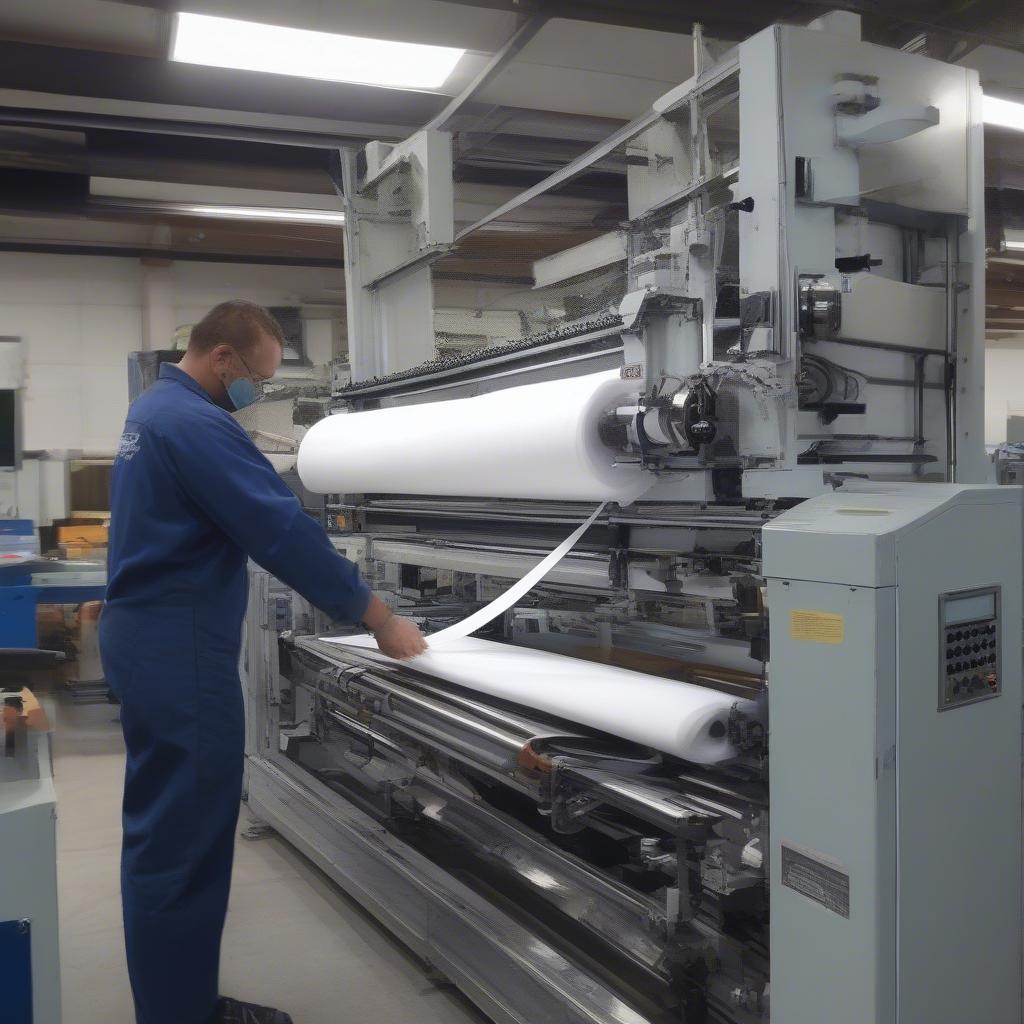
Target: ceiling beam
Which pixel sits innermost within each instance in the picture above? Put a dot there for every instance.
(36, 117)
(155, 252)
(491, 70)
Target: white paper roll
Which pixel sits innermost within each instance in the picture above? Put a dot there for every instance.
(674, 717)
(534, 441)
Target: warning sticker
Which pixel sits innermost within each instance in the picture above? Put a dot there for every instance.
(818, 627)
(817, 877)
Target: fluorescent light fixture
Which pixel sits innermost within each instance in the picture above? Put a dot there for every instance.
(253, 46)
(265, 213)
(1002, 113)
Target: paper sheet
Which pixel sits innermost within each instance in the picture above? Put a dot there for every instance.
(533, 441)
(514, 593)
(674, 717)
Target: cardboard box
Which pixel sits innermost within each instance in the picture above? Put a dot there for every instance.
(82, 552)
(82, 534)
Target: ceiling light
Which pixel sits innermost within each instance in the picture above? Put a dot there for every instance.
(266, 213)
(1002, 113)
(253, 46)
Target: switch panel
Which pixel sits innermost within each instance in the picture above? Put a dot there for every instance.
(970, 641)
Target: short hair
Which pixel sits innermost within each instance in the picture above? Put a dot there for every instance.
(236, 323)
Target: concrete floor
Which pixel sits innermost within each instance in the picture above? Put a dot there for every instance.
(292, 940)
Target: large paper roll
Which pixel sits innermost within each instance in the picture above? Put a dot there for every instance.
(674, 717)
(534, 441)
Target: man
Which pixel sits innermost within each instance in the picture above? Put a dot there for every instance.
(191, 498)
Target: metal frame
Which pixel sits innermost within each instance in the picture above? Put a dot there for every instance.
(674, 100)
(508, 972)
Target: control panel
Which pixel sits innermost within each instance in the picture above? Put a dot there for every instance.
(970, 643)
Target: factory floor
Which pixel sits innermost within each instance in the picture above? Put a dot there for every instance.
(293, 939)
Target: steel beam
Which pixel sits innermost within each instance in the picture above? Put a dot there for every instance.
(155, 252)
(519, 39)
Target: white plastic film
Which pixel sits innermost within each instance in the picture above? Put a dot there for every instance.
(534, 441)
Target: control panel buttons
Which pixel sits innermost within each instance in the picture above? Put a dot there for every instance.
(969, 652)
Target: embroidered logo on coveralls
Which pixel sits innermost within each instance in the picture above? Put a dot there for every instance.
(128, 446)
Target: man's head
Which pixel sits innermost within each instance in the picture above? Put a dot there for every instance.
(232, 350)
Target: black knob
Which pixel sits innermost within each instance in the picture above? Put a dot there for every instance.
(851, 264)
(702, 432)
(742, 205)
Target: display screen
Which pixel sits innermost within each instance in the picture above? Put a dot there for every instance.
(8, 428)
(970, 609)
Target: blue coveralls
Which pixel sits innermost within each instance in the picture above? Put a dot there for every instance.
(192, 496)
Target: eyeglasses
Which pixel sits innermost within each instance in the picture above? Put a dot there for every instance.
(257, 380)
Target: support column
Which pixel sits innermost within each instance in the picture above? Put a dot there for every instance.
(158, 293)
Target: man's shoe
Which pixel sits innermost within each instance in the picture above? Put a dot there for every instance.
(231, 1011)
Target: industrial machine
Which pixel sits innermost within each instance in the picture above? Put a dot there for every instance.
(788, 299)
(29, 954)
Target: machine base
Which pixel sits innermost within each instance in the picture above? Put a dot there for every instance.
(509, 973)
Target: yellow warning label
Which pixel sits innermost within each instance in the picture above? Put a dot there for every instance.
(819, 627)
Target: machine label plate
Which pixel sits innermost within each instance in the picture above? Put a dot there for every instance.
(818, 627)
(817, 877)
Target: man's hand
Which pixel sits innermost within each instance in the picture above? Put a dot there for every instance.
(400, 639)
(396, 637)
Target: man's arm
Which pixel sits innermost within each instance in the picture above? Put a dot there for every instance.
(233, 483)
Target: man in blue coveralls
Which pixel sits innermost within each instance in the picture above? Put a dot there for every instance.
(192, 497)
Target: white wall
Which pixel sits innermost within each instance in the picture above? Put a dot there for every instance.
(80, 316)
(1004, 385)
(78, 319)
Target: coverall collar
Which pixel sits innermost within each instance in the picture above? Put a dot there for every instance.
(171, 371)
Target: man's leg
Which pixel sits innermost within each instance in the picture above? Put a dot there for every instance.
(181, 710)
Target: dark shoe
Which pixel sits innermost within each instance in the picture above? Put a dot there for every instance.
(231, 1011)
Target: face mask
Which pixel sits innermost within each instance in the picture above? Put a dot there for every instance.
(242, 393)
